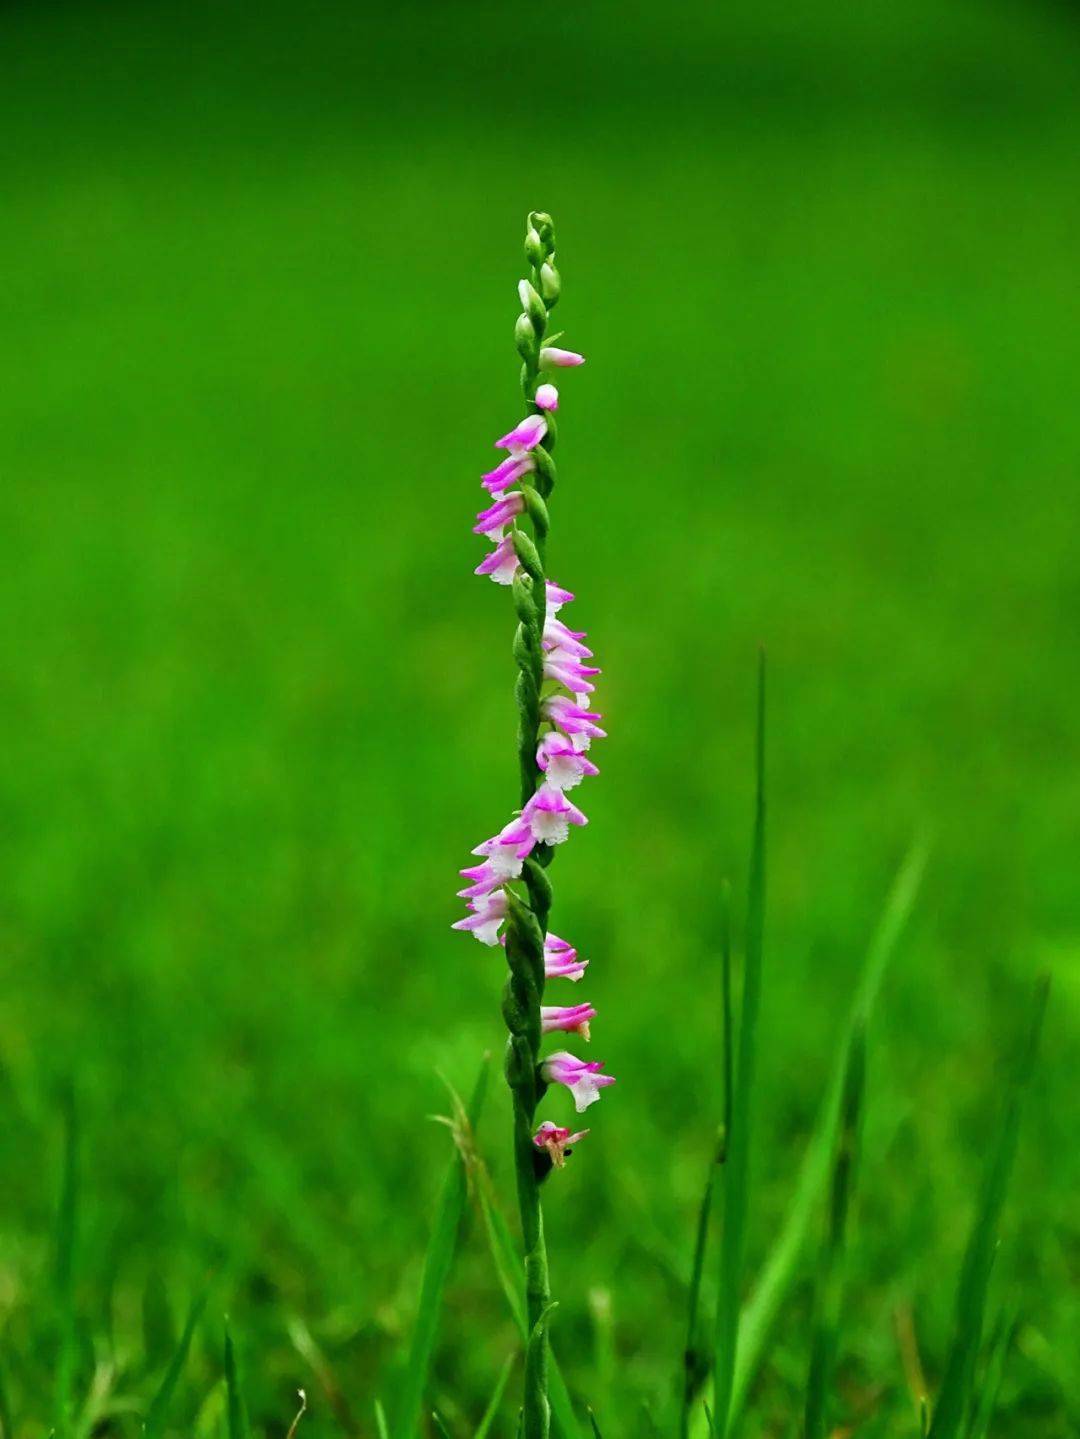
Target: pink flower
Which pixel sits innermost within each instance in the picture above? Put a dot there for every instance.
(490, 522)
(563, 764)
(568, 642)
(485, 877)
(550, 815)
(551, 355)
(574, 720)
(525, 435)
(556, 597)
(561, 961)
(502, 564)
(584, 1081)
(507, 850)
(557, 1141)
(569, 671)
(507, 472)
(488, 912)
(547, 397)
(572, 1018)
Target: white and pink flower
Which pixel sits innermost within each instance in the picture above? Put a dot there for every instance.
(561, 359)
(502, 564)
(583, 1080)
(547, 397)
(569, 1018)
(573, 719)
(488, 913)
(525, 435)
(550, 815)
(561, 959)
(563, 764)
(557, 1141)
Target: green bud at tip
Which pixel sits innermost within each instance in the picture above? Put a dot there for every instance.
(544, 226)
(528, 346)
(534, 249)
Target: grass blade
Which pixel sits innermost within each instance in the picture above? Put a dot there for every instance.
(696, 1358)
(66, 1241)
(826, 1324)
(594, 1426)
(958, 1383)
(508, 1268)
(438, 1260)
(736, 1173)
(381, 1428)
(778, 1273)
(7, 1428)
(995, 1372)
(436, 1419)
(159, 1405)
(238, 1416)
(483, 1429)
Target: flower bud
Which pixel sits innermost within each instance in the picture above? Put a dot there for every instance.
(533, 306)
(525, 339)
(544, 226)
(534, 249)
(546, 398)
(550, 284)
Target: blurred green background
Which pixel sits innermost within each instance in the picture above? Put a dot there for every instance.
(258, 269)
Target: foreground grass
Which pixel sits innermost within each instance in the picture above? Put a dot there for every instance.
(254, 340)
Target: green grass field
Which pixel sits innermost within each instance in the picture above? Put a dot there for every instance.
(258, 296)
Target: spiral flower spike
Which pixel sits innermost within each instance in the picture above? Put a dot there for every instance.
(554, 731)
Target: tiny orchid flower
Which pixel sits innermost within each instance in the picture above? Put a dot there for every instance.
(566, 641)
(508, 472)
(552, 355)
(502, 564)
(547, 397)
(583, 1080)
(561, 961)
(492, 520)
(564, 765)
(485, 877)
(525, 435)
(569, 671)
(507, 850)
(572, 718)
(550, 815)
(489, 911)
(556, 597)
(571, 1018)
(557, 1141)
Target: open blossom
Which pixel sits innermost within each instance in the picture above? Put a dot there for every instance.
(583, 1080)
(552, 355)
(561, 959)
(491, 521)
(485, 877)
(547, 397)
(567, 670)
(508, 472)
(507, 850)
(550, 815)
(525, 435)
(557, 1141)
(570, 1018)
(557, 637)
(572, 718)
(502, 564)
(556, 597)
(488, 913)
(564, 765)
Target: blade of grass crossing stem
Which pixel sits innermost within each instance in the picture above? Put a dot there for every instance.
(238, 1415)
(825, 1329)
(736, 1171)
(67, 1214)
(594, 1426)
(695, 1356)
(957, 1386)
(437, 1263)
(995, 1372)
(507, 1267)
(158, 1411)
(483, 1429)
(778, 1273)
(436, 1419)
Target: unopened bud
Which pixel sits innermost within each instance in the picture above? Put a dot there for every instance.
(525, 339)
(550, 284)
(532, 304)
(534, 249)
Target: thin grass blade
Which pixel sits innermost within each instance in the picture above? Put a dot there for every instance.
(736, 1173)
(826, 1324)
(483, 1429)
(158, 1411)
(238, 1415)
(995, 1371)
(778, 1273)
(381, 1427)
(956, 1388)
(436, 1419)
(66, 1241)
(696, 1358)
(438, 1260)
